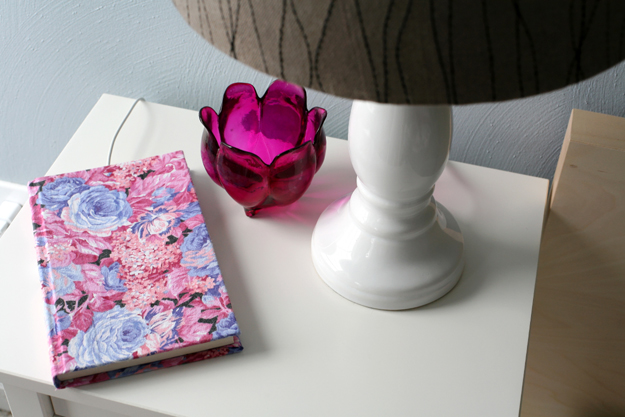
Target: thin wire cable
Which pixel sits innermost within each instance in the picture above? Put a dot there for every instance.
(120, 128)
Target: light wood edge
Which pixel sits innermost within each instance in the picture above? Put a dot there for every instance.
(597, 129)
(560, 165)
(583, 128)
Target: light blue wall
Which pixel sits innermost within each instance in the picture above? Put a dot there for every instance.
(58, 56)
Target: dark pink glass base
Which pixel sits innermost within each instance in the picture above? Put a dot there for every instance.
(263, 151)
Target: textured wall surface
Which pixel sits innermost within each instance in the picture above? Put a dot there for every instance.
(57, 58)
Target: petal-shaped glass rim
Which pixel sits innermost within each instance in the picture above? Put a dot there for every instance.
(221, 141)
(276, 157)
(214, 118)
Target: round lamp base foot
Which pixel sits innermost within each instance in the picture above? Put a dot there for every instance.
(384, 272)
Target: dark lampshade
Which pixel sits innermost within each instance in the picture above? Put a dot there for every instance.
(418, 51)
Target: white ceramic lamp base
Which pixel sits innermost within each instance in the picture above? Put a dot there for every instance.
(390, 245)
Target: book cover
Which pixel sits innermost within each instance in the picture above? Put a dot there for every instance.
(128, 271)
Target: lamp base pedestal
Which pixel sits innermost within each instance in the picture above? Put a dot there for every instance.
(390, 245)
(383, 273)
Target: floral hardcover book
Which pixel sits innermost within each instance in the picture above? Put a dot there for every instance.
(128, 271)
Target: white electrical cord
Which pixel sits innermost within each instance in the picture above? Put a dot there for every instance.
(13, 203)
(8, 211)
(120, 128)
(12, 199)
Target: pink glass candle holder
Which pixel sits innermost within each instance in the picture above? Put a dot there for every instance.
(263, 151)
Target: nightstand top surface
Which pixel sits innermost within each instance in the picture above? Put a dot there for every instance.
(308, 351)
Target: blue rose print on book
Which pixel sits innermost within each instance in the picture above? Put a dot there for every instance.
(61, 279)
(157, 222)
(162, 195)
(196, 239)
(97, 210)
(57, 320)
(226, 327)
(64, 278)
(191, 210)
(111, 278)
(211, 294)
(113, 336)
(55, 195)
(198, 255)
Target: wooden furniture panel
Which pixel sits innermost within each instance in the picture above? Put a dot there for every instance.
(576, 354)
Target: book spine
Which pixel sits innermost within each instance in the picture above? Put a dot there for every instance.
(38, 222)
(235, 347)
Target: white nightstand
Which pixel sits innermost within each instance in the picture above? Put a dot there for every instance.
(308, 351)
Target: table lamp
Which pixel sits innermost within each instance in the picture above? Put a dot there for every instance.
(390, 245)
